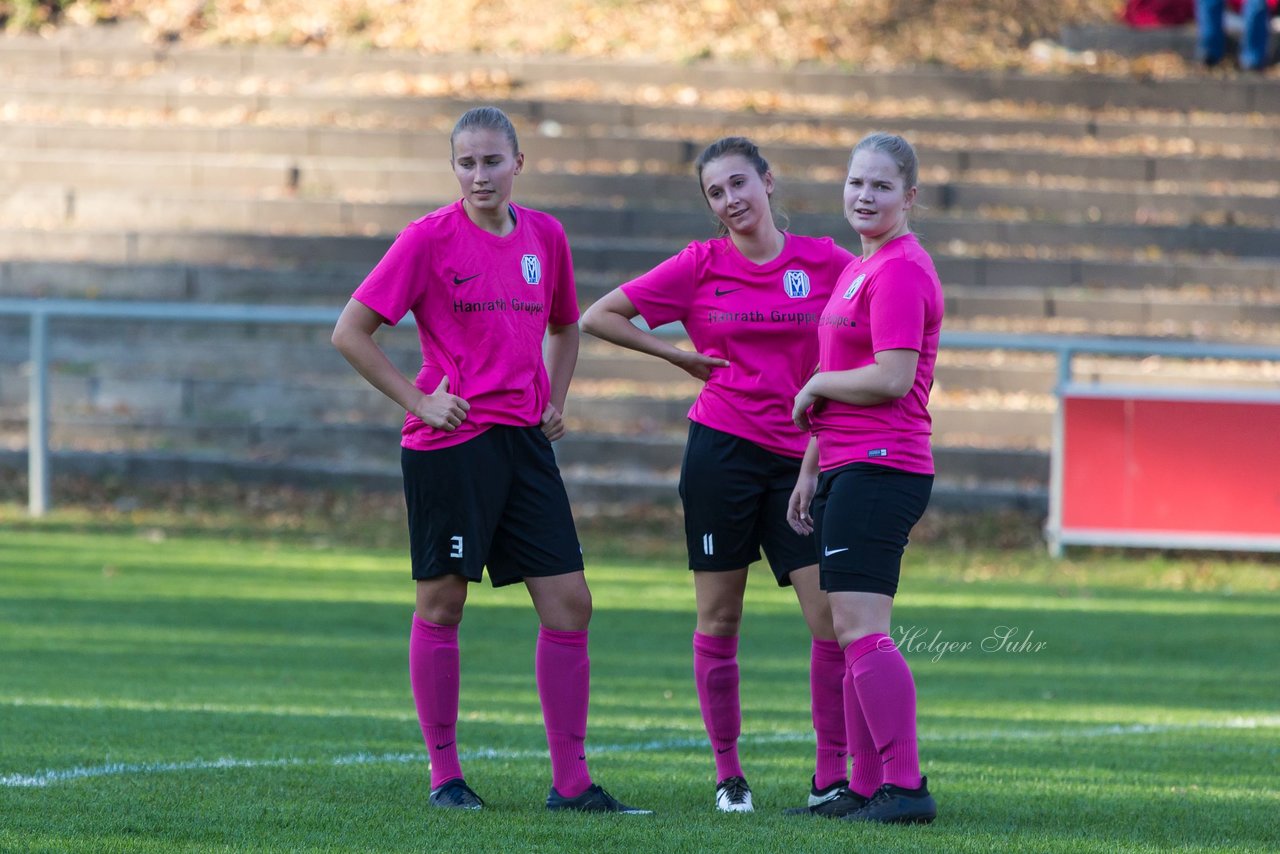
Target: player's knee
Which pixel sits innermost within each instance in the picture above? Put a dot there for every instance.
(441, 603)
(444, 614)
(578, 607)
(721, 620)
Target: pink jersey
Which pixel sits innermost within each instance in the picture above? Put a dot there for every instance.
(761, 318)
(482, 304)
(890, 301)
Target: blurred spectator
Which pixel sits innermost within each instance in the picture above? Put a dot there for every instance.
(1256, 27)
(1145, 14)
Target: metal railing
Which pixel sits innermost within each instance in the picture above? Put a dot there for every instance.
(41, 312)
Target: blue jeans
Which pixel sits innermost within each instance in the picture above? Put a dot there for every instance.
(1253, 44)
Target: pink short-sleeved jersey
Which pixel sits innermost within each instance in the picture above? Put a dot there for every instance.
(482, 304)
(890, 301)
(761, 318)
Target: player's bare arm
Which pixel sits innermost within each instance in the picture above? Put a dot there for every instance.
(889, 378)
(802, 495)
(561, 357)
(353, 337)
(610, 319)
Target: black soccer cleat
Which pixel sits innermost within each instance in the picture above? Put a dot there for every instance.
(831, 802)
(594, 799)
(819, 797)
(455, 795)
(895, 805)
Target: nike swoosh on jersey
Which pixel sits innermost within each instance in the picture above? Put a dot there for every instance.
(826, 552)
(461, 281)
(721, 293)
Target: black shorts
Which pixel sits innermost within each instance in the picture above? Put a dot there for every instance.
(862, 516)
(735, 496)
(496, 500)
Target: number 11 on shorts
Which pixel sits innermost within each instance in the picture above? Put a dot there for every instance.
(455, 547)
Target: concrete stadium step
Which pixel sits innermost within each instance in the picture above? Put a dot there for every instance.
(251, 378)
(176, 281)
(68, 59)
(318, 269)
(663, 455)
(1021, 420)
(975, 286)
(588, 486)
(953, 156)
(53, 100)
(347, 444)
(650, 456)
(992, 479)
(267, 435)
(1192, 314)
(178, 366)
(668, 231)
(601, 365)
(52, 190)
(622, 98)
(325, 140)
(652, 441)
(591, 489)
(1199, 312)
(1053, 205)
(1004, 379)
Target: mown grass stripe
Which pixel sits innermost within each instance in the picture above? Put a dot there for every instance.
(52, 777)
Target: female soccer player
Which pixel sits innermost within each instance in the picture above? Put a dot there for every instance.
(486, 281)
(867, 409)
(749, 301)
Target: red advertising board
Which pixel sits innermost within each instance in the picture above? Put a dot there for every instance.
(1150, 470)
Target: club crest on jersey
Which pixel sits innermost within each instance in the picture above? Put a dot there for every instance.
(532, 269)
(854, 285)
(796, 283)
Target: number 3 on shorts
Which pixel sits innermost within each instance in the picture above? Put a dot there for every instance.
(456, 544)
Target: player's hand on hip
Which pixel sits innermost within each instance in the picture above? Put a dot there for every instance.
(552, 423)
(697, 365)
(442, 410)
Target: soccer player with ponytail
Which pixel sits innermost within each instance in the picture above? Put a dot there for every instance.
(487, 282)
(868, 471)
(749, 301)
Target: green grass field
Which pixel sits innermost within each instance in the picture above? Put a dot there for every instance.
(198, 692)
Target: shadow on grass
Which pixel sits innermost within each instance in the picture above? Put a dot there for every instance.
(280, 649)
(200, 652)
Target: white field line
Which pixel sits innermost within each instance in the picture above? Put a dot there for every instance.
(214, 708)
(54, 776)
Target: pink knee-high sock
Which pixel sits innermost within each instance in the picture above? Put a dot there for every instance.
(826, 692)
(887, 695)
(868, 773)
(563, 671)
(433, 674)
(715, 672)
